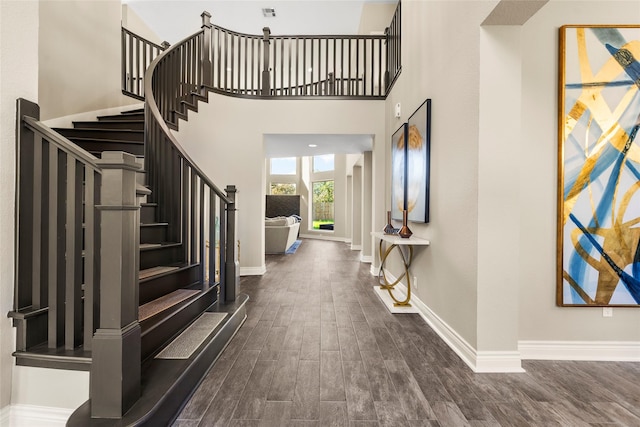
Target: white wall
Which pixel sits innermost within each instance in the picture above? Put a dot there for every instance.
(79, 67)
(18, 79)
(540, 318)
(226, 138)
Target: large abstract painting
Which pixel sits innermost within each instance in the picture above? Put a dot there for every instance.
(418, 153)
(398, 171)
(599, 166)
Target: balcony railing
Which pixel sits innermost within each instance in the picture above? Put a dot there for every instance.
(267, 66)
(137, 54)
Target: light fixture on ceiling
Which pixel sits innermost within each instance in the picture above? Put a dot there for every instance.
(268, 12)
(313, 145)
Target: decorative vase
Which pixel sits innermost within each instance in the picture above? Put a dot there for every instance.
(388, 229)
(404, 232)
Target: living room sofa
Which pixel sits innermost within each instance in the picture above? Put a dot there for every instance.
(280, 233)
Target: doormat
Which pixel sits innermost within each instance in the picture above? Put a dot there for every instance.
(191, 338)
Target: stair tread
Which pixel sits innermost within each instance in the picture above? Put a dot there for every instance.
(156, 306)
(154, 271)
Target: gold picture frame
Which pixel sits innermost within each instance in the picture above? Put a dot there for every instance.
(598, 243)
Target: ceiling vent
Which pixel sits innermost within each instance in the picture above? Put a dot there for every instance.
(268, 12)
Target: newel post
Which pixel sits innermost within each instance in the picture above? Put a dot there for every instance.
(207, 75)
(232, 271)
(266, 81)
(115, 368)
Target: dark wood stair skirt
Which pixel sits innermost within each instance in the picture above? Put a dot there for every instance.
(167, 384)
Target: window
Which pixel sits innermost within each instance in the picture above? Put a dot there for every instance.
(323, 163)
(283, 188)
(322, 205)
(283, 166)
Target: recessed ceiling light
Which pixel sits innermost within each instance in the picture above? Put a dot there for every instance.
(313, 145)
(268, 12)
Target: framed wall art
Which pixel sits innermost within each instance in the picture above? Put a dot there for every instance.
(418, 160)
(398, 171)
(599, 166)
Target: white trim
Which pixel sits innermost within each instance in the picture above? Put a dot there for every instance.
(323, 237)
(356, 247)
(614, 351)
(253, 271)
(478, 361)
(30, 415)
(5, 415)
(498, 361)
(374, 270)
(366, 258)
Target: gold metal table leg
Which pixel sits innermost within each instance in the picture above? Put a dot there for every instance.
(382, 277)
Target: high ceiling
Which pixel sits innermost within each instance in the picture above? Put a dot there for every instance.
(173, 20)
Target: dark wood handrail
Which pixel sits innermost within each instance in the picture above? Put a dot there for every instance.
(196, 210)
(152, 106)
(281, 66)
(137, 54)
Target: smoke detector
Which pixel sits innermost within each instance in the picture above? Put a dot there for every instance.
(268, 12)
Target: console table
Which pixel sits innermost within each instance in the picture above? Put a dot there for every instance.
(405, 248)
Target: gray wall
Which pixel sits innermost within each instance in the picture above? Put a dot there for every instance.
(490, 271)
(539, 318)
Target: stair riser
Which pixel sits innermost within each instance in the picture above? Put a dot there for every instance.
(153, 234)
(148, 214)
(94, 146)
(101, 134)
(126, 117)
(154, 288)
(161, 256)
(111, 125)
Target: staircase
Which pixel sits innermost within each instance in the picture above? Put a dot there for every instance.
(170, 294)
(183, 318)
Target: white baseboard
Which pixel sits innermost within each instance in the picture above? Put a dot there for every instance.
(498, 361)
(356, 247)
(5, 415)
(42, 416)
(366, 258)
(323, 237)
(478, 361)
(253, 271)
(614, 351)
(374, 270)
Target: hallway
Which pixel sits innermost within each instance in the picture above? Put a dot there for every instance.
(319, 349)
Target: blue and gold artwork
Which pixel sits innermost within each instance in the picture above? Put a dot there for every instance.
(599, 166)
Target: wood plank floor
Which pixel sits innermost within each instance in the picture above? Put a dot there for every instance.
(319, 349)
